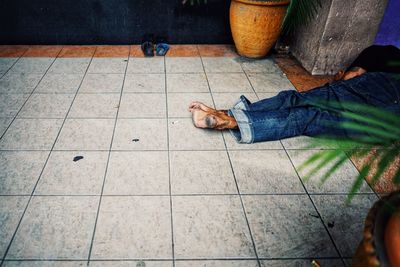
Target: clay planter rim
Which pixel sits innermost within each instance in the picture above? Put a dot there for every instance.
(264, 3)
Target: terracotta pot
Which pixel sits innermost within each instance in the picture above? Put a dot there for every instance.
(256, 25)
(392, 239)
(382, 220)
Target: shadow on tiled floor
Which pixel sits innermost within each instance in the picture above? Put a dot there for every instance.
(150, 186)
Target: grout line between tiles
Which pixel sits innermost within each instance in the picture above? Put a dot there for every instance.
(15, 62)
(169, 164)
(37, 181)
(315, 207)
(139, 92)
(372, 189)
(249, 81)
(27, 99)
(233, 173)
(180, 259)
(107, 163)
(151, 150)
(186, 194)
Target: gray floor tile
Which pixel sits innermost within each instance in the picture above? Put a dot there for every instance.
(187, 82)
(55, 228)
(261, 65)
(140, 134)
(17, 178)
(146, 65)
(301, 263)
(102, 83)
(70, 65)
(10, 104)
(232, 144)
(85, 134)
(95, 106)
(221, 64)
(11, 209)
(210, 227)
(228, 100)
(144, 83)
(6, 63)
(183, 135)
(287, 226)
(183, 65)
(269, 82)
(137, 173)
(31, 134)
(229, 82)
(63, 176)
(59, 83)
(266, 171)
(217, 263)
(19, 82)
(32, 65)
(139, 105)
(340, 181)
(178, 103)
(344, 221)
(4, 123)
(212, 176)
(45, 263)
(131, 264)
(303, 142)
(133, 227)
(262, 96)
(47, 106)
(108, 65)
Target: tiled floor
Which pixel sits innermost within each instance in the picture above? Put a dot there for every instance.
(152, 190)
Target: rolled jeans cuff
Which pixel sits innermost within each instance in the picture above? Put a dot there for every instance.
(242, 103)
(245, 134)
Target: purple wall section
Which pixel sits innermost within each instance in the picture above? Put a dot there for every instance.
(389, 30)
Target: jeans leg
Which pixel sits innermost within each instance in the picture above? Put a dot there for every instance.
(284, 99)
(292, 98)
(258, 126)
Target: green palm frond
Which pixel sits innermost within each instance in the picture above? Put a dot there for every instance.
(300, 12)
(375, 130)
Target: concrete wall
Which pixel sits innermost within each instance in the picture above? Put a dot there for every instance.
(337, 35)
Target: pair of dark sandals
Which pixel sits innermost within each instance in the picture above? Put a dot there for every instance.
(148, 49)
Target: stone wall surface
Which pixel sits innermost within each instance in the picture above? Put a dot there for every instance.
(340, 31)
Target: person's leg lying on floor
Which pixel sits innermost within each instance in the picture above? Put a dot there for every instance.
(297, 114)
(258, 126)
(249, 126)
(207, 117)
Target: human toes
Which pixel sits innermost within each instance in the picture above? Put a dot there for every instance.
(194, 105)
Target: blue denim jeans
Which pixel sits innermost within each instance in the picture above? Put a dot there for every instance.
(291, 113)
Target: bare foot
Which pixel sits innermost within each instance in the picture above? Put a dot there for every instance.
(199, 105)
(207, 117)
